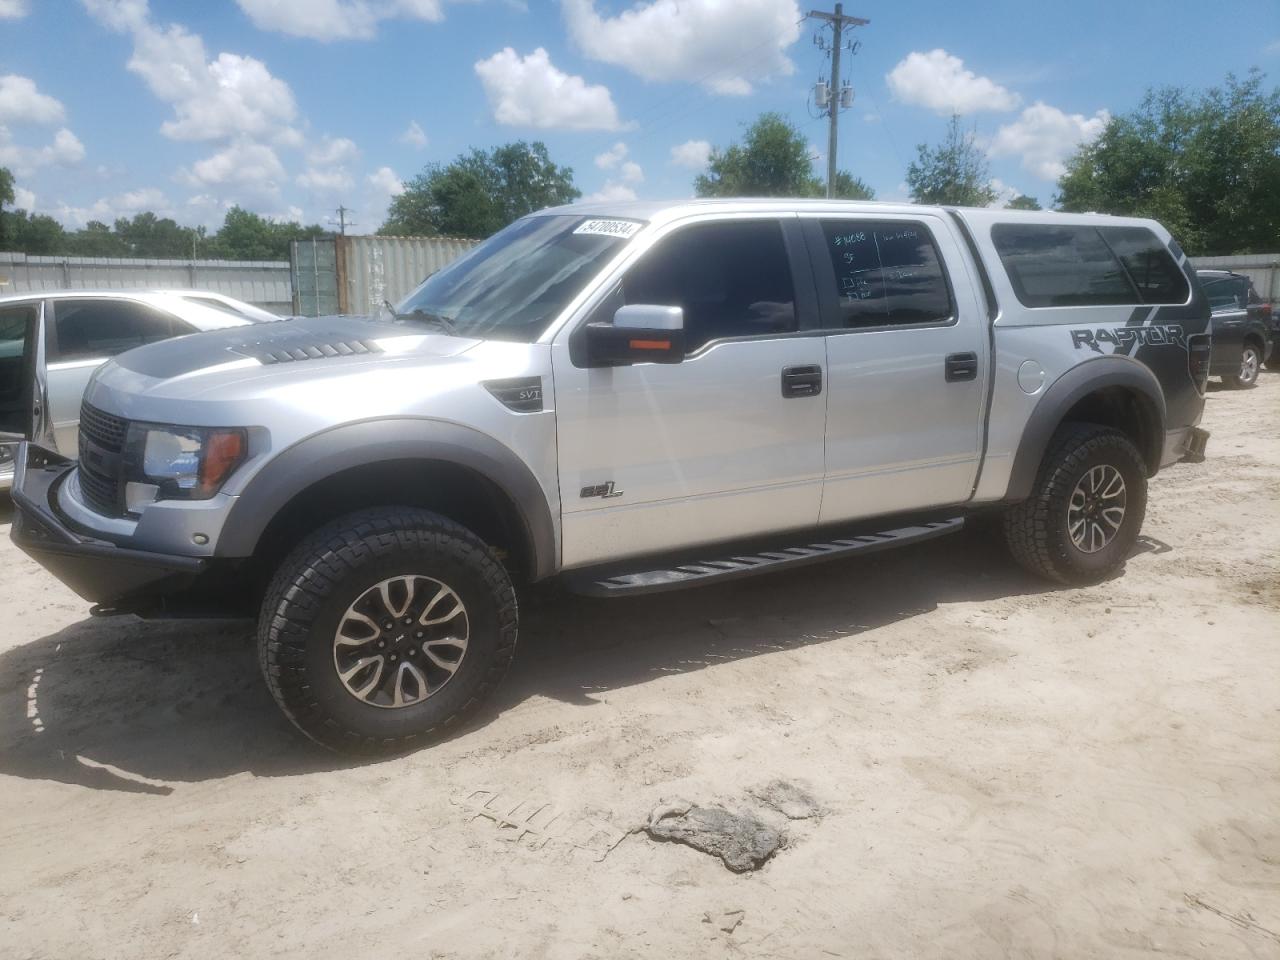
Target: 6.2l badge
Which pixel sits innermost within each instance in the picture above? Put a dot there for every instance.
(603, 490)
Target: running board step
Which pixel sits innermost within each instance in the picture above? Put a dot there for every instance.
(701, 572)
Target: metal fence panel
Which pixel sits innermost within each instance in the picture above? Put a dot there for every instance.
(374, 269)
(314, 270)
(1262, 268)
(261, 282)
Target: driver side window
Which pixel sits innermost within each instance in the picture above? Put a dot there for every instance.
(732, 279)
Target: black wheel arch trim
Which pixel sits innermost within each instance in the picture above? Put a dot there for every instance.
(326, 454)
(1068, 390)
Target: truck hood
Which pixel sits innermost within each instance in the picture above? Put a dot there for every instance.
(306, 374)
(305, 340)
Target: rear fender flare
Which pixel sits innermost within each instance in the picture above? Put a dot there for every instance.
(1068, 390)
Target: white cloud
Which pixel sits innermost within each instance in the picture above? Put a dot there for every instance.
(24, 199)
(107, 209)
(231, 96)
(336, 19)
(728, 48)
(1005, 193)
(22, 102)
(615, 158)
(65, 150)
(1272, 48)
(939, 81)
(531, 92)
(694, 154)
(335, 180)
(13, 9)
(333, 151)
(414, 135)
(1045, 136)
(243, 163)
(611, 192)
(385, 182)
(611, 157)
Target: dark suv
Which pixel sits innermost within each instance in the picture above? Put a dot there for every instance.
(1244, 328)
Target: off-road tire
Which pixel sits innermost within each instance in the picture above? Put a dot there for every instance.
(1241, 381)
(1036, 529)
(326, 572)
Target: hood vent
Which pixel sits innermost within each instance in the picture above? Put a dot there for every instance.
(268, 352)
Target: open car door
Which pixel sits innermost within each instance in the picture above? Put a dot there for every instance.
(23, 400)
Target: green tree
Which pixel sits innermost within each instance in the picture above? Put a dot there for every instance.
(848, 187)
(247, 236)
(480, 192)
(954, 172)
(34, 233)
(1205, 164)
(1023, 202)
(147, 235)
(96, 239)
(772, 161)
(6, 196)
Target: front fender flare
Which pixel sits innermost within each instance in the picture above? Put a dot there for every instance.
(1068, 390)
(325, 454)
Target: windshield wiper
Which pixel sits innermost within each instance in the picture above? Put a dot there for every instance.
(439, 319)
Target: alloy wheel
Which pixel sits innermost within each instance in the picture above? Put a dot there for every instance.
(1096, 509)
(401, 641)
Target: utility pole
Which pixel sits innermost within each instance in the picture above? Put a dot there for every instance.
(342, 219)
(836, 97)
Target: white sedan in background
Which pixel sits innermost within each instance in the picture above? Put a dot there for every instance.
(52, 341)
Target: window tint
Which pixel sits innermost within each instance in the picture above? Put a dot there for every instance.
(887, 272)
(1061, 266)
(89, 329)
(15, 323)
(1151, 268)
(1225, 293)
(732, 280)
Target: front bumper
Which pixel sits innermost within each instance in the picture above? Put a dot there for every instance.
(101, 572)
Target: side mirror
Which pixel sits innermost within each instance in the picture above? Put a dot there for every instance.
(640, 333)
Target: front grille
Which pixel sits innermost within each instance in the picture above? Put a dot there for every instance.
(102, 428)
(101, 465)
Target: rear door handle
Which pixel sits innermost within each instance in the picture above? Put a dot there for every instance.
(803, 381)
(961, 367)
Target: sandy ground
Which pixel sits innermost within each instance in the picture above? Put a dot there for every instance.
(1006, 770)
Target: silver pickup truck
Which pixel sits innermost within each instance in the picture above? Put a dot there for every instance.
(633, 398)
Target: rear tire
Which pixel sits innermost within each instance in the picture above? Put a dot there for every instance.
(1086, 509)
(385, 628)
(1250, 364)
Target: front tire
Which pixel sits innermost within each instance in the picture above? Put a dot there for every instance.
(385, 628)
(1086, 510)
(1250, 364)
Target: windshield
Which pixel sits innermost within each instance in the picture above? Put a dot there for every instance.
(516, 282)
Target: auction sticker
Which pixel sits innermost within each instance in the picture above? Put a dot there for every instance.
(622, 229)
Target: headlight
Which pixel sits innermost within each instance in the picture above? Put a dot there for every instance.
(182, 463)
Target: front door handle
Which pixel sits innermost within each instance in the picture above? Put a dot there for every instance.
(803, 381)
(961, 367)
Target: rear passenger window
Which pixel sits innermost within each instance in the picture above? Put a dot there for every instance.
(1225, 293)
(94, 329)
(1151, 268)
(1061, 266)
(887, 273)
(732, 279)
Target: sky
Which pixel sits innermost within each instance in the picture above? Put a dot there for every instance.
(294, 107)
